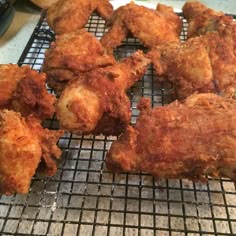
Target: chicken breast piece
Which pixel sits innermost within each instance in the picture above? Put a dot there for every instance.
(200, 64)
(202, 19)
(188, 139)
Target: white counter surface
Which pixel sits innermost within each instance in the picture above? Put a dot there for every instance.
(13, 41)
(27, 15)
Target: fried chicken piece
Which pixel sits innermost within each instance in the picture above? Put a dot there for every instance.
(20, 153)
(117, 30)
(193, 9)
(200, 64)
(23, 90)
(96, 103)
(21, 148)
(72, 54)
(150, 26)
(187, 139)
(202, 20)
(48, 143)
(71, 15)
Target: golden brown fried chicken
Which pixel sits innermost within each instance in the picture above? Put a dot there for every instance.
(117, 31)
(200, 64)
(72, 54)
(71, 15)
(202, 20)
(23, 89)
(150, 26)
(187, 139)
(21, 148)
(20, 153)
(96, 102)
(192, 9)
(48, 143)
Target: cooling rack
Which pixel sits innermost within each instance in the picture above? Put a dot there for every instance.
(84, 198)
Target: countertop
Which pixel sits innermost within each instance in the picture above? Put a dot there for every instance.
(13, 41)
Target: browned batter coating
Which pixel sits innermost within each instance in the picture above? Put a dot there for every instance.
(150, 26)
(24, 90)
(202, 19)
(48, 143)
(96, 102)
(71, 15)
(20, 153)
(187, 139)
(200, 64)
(22, 144)
(72, 54)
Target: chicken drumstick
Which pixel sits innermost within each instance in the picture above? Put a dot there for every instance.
(96, 102)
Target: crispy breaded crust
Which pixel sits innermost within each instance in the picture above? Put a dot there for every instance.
(24, 145)
(24, 90)
(150, 26)
(20, 153)
(71, 15)
(48, 143)
(71, 55)
(202, 19)
(200, 64)
(187, 139)
(97, 102)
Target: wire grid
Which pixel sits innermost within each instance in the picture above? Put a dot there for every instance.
(84, 198)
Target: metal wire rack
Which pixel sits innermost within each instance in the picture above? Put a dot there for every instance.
(84, 198)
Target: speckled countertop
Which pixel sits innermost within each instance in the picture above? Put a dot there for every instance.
(13, 41)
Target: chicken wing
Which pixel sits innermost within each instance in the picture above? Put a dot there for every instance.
(96, 102)
(117, 30)
(187, 139)
(71, 15)
(23, 89)
(200, 64)
(21, 149)
(72, 54)
(202, 20)
(150, 26)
